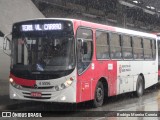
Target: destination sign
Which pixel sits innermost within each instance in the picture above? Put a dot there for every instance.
(42, 27)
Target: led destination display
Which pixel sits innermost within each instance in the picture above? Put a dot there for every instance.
(41, 27)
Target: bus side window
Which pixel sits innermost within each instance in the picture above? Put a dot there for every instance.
(154, 48)
(115, 46)
(102, 45)
(147, 48)
(138, 48)
(127, 47)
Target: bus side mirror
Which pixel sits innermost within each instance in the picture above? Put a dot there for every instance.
(85, 50)
(83, 46)
(7, 45)
(1, 34)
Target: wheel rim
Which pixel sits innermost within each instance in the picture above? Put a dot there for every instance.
(99, 94)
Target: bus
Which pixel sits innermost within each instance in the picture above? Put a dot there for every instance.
(73, 61)
(158, 45)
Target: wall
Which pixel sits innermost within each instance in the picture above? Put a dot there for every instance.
(12, 11)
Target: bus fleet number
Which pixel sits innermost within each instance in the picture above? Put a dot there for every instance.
(44, 83)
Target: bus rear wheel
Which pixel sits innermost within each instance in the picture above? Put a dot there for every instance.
(140, 86)
(99, 95)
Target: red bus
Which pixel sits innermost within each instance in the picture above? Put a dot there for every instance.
(72, 61)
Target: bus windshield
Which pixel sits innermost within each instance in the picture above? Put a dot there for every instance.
(47, 53)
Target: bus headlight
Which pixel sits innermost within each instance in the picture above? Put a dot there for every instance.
(64, 85)
(11, 80)
(68, 82)
(14, 84)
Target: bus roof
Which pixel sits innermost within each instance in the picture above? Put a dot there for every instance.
(101, 27)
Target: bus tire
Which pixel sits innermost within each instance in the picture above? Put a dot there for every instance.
(140, 86)
(99, 95)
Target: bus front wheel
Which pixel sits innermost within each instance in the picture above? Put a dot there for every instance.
(140, 86)
(99, 95)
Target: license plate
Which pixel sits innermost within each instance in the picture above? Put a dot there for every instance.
(36, 94)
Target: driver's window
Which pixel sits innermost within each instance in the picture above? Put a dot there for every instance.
(84, 48)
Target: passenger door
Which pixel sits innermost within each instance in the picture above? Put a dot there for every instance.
(84, 59)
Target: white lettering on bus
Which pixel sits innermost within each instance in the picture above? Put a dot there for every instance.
(27, 28)
(40, 27)
(52, 26)
(37, 27)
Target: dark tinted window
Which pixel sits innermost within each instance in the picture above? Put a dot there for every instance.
(154, 48)
(115, 46)
(147, 48)
(102, 45)
(127, 47)
(137, 48)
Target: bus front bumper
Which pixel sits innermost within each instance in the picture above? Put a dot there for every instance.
(67, 95)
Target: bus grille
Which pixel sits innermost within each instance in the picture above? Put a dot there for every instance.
(31, 87)
(37, 97)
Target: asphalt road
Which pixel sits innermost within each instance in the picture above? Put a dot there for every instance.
(125, 102)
